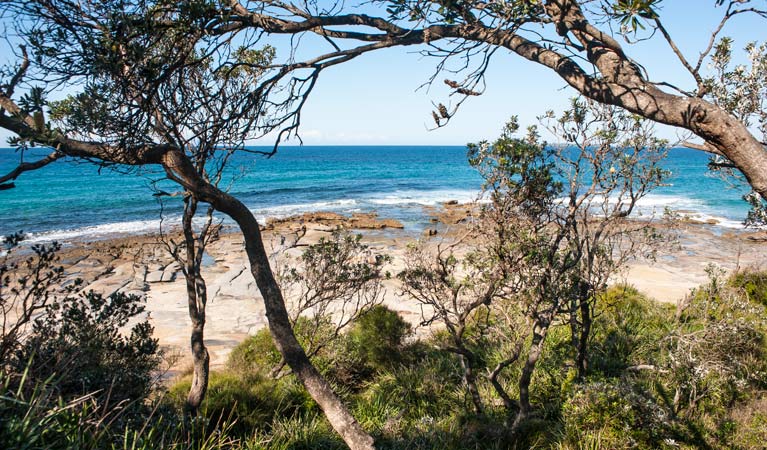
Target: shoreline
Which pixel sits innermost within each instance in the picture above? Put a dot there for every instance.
(138, 264)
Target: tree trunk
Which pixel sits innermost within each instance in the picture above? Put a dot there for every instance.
(197, 299)
(201, 369)
(540, 330)
(471, 383)
(624, 85)
(581, 358)
(179, 169)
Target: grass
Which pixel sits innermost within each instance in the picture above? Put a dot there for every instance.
(417, 400)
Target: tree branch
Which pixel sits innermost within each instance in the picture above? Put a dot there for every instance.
(25, 167)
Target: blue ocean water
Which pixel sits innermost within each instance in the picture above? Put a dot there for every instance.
(77, 200)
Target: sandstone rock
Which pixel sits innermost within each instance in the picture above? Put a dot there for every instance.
(154, 276)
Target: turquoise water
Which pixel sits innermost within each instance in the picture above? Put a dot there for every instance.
(70, 200)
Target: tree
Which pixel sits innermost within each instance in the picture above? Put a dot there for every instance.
(553, 231)
(579, 40)
(162, 95)
(333, 282)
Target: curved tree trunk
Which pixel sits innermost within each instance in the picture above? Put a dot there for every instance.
(540, 330)
(201, 369)
(180, 170)
(623, 84)
(471, 382)
(197, 298)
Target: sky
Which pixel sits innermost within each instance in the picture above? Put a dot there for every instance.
(379, 98)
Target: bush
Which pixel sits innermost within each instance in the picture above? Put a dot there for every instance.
(750, 422)
(751, 282)
(250, 402)
(378, 336)
(626, 331)
(255, 355)
(259, 355)
(614, 411)
(78, 341)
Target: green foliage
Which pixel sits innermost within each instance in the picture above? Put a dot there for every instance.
(249, 402)
(716, 349)
(627, 329)
(615, 412)
(302, 432)
(80, 341)
(631, 13)
(418, 399)
(519, 168)
(256, 354)
(259, 355)
(378, 337)
(751, 282)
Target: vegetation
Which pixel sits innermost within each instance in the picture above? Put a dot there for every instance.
(526, 304)
(529, 348)
(638, 393)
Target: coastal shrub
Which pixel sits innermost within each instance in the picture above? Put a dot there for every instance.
(249, 402)
(716, 351)
(27, 284)
(258, 354)
(80, 340)
(378, 337)
(752, 282)
(617, 413)
(749, 423)
(421, 392)
(626, 331)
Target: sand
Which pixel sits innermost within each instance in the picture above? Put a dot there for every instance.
(140, 265)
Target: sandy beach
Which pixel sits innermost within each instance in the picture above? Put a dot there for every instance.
(140, 265)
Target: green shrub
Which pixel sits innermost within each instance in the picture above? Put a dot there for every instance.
(256, 354)
(626, 331)
(750, 423)
(259, 355)
(79, 341)
(619, 415)
(426, 390)
(250, 402)
(378, 337)
(751, 282)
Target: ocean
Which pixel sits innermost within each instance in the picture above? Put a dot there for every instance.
(73, 200)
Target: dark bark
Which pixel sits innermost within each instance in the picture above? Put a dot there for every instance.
(508, 403)
(201, 369)
(180, 170)
(540, 330)
(471, 382)
(197, 298)
(581, 357)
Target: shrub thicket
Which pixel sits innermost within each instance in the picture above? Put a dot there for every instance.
(694, 376)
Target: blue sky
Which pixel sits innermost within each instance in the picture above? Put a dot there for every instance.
(375, 100)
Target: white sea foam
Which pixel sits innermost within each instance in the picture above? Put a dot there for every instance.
(688, 208)
(655, 206)
(425, 198)
(100, 231)
(651, 205)
(298, 208)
